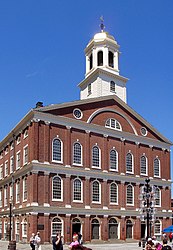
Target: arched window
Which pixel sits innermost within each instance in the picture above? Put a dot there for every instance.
(113, 124)
(24, 228)
(91, 61)
(143, 165)
(112, 86)
(114, 193)
(129, 195)
(96, 192)
(100, 58)
(57, 192)
(111, 59)
(129, 163)
(113, 159)
(56, 226)
(158, 197)
(157, 228)
(96, 156)
(156, 167)
(57, 150)
(77, 153)
(77, 190)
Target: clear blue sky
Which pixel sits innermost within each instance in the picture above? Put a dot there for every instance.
(42, 57)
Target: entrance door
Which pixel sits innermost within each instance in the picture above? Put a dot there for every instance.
(129, 229)
(76, 226)
(95, 229)
(143, 227)
(113, 229)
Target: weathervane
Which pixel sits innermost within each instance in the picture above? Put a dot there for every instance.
(102, 24)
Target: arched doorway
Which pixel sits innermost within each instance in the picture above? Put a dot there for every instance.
(113, 229)
(76, 226)
(129, 227)
(95, 229)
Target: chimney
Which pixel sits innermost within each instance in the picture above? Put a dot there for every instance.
(39, 105)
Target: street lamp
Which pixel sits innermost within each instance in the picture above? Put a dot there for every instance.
(147, 206)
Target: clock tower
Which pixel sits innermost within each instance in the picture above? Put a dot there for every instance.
(102, 76)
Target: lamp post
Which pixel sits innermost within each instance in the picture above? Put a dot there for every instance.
(147, 208)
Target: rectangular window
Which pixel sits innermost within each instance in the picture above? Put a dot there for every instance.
(1, 171)
(6, 168)
(5, 196)
(18, 162)
(24, 189)
(25, 155)
(11, 164)
(17, 192)
(0, 198)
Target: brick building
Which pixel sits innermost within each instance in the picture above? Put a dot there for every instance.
(80, 166)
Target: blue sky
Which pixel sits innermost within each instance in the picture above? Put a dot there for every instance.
(42, 54)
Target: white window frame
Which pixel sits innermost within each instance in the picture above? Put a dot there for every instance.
(77, 155)
(146, 165)
(99, 157)
(18, 160)
(17, 192)
(25, 189)
(61, 143)
(5, 196)
(159, 175)
(11, 164)
(132, 198)
(158, 197)
(113, 203)
(1, 198)
(56, 199)
(25, 154)
(132, 171)
(25, 135)
(116, 166)
(24, 228)
(99, 193)
(1, 171)
(6, 168)
(55, 230)
(81, 190)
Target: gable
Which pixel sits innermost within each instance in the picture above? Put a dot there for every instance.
(98, 110)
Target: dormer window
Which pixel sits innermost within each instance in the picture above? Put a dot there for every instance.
(100, 58)
(112, 86)
(111, 59)
(113, 124)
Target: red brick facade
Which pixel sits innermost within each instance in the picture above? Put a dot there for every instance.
(95, 220)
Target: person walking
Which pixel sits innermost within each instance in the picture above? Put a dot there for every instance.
(37, 241)
(57, 242)
(32, 241)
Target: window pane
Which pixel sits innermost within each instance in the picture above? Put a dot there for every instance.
(57, 150)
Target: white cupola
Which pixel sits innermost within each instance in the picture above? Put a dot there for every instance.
(102, 76)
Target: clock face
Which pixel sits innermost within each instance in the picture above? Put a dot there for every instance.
(77, 113)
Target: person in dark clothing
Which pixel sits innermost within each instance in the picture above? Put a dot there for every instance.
(165, 245)
(57, 242)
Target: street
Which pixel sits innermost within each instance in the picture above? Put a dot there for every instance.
(106, 246)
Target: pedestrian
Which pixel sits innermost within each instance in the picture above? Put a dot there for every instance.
(79, 238)
(57, 242)
(74, 242)
(165, 245)
(149, 245)
(170, 237)
(37, 241)
(32, 241)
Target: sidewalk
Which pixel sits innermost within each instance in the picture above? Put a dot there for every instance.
(106, 246)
